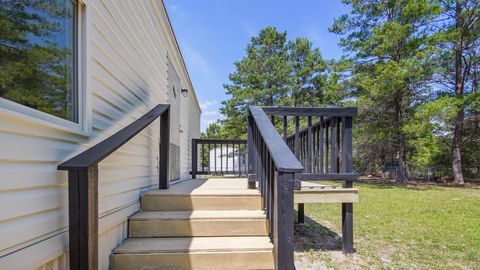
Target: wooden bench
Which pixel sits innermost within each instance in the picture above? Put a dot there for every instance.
(316, 193)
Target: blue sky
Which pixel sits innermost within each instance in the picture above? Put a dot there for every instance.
(213, 34)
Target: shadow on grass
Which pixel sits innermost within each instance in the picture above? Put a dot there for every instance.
(395, 186)
(313, 236)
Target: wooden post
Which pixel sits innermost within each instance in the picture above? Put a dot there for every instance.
(283, 221)
(83, 218)
(194, 158)
(301, 213)
(164, 181)
(251, 154)
(347, 208)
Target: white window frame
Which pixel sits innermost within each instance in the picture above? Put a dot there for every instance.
(84, 126)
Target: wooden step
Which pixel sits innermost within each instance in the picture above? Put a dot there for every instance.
(194, 253)
(198, 223)
(161, 200)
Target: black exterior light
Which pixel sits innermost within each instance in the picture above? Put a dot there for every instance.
(184, 92)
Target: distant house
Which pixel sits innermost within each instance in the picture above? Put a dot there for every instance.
(105, 63)
(226, 160)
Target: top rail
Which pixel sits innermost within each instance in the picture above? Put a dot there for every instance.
(282, 156)
(221, 141)
(101, 150)
(310, 111)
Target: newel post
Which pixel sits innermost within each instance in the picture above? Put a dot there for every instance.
(194, 158)
(283, 221)
(347, 208)
(163, 166)
(251, 154)
(83, 218)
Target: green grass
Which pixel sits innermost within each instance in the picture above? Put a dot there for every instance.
(423, 227)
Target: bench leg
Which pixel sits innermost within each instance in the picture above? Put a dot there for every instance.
(301, 213)
(347, 228)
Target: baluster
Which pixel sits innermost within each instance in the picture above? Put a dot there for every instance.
(309, 145)
(226, 160)
(297, 137)
(215, 155)
(203, 157)
(320, 145)
(327, 146)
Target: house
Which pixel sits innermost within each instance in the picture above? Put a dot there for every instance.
(99, 137)
(122, 60)
(226, 160)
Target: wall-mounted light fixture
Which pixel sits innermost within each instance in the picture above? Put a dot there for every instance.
(184, 92)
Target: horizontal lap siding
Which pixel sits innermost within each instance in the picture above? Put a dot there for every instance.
(127, 43)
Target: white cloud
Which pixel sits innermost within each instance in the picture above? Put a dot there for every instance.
(204, 105)
(210, 113)
(198, 62)
(177, 11)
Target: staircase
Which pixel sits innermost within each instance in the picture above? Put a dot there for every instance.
(198, 224)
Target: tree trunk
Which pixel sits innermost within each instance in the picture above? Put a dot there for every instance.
(459, 86)
(401, 175)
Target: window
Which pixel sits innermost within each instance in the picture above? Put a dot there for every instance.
(38, 51)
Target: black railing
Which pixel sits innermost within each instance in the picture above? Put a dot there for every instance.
(273, 166)
(324, 148)
(219, 157)
(83, 185)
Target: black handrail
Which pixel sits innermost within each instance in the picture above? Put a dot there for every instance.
(83, 185)
(100, 151)
(310, 111)
(284, 159)
(277, 163)
(201, 157)
(273, 166)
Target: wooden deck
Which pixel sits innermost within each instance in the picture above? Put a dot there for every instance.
(309, 193)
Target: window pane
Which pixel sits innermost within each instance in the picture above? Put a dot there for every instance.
(37, 52)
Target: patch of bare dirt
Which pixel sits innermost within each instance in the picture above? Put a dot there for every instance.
(319, 247)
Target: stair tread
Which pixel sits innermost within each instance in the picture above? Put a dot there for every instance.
(198, 214)
(202, 187)
(204, 192)
(194, 244)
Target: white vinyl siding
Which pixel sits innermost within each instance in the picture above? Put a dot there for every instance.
(127, 43)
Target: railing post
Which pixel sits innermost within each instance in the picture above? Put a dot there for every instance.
(251, 155)
(283, 221)
(83, 218)
(194, 158)
(347, 208)
(163, 174)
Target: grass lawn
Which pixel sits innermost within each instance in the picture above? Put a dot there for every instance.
(419, 227)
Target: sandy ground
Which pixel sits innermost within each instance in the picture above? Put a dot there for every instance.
(317, 247)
